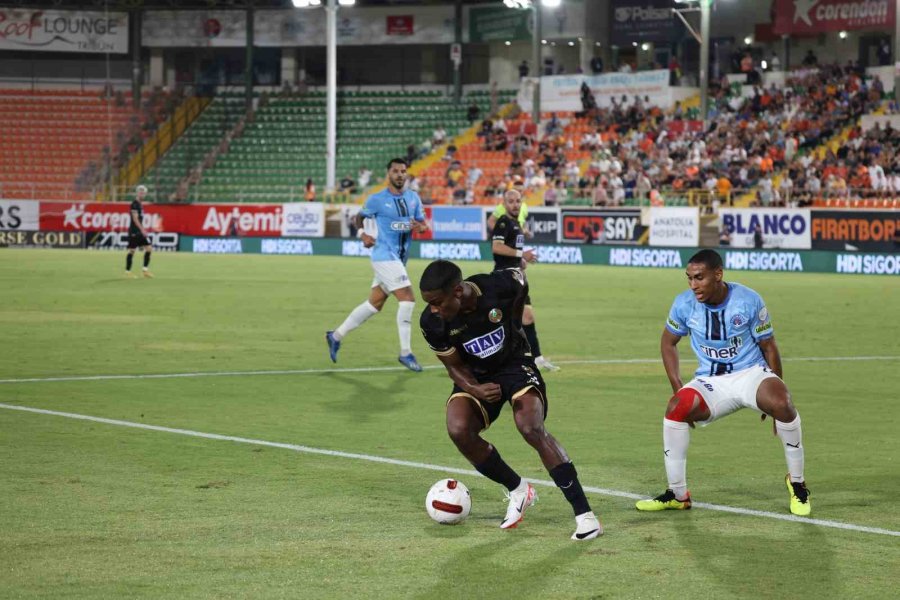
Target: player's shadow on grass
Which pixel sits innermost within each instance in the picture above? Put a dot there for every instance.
(486, 567)
(761, 566)
(367, 398)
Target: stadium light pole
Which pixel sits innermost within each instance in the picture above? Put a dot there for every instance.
(331, 8)
(536, 55)
(703, 38)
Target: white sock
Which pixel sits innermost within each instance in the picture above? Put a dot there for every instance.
(357, 317)
(792, 437)
(404, 326)
(676, 437)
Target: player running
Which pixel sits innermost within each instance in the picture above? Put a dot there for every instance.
(740, 367)
(508, 240)
(472, 326)
(137, 234)
(396, 213)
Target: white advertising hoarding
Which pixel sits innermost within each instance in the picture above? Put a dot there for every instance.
(63, 30)
(277, 28)
(20, 215)
(303, 219)
(675, 226)
(780, 227)
(563, 92)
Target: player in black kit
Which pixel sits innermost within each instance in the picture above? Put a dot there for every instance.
(473, 327)
(137, 235)
(507, 245)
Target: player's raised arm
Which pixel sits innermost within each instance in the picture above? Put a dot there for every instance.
(669, 352)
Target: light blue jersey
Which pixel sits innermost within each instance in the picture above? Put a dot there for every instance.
(726, 337)
(392, 216)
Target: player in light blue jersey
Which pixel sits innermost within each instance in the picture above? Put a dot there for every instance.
(740, 367)
(397, 214)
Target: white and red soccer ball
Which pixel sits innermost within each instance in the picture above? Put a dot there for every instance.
(448, 502)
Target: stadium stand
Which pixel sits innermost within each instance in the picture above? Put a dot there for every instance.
(281, 145)
(58, 143)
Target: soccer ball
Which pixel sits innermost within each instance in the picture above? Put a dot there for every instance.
(448, 502)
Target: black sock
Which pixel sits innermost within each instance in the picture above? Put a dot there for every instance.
(129, 258)
(566, 479)
(146, 259)
(495, 469)
(531, 336)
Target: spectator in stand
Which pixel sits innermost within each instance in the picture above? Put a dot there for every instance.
(347, 185)
(724, 237)
(454, 175)
(810, 60)
(757, 236)
(523, 69)
(884, 52)
(425, 149)
(439, 136)
(309, 192)
(775, 62)
(411, 154)
(363, 177)
(473, 112)
(596, 65)
(474, 175)
(412, 183)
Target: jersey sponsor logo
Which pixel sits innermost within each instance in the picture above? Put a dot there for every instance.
(520, 241)
(674, 324)
(739, 320)
(486, 345)
(401, 225)
(495, 316)
(710, 352)
(764, 327)
(459, 330)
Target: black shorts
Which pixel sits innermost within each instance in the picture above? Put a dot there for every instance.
(515, 378)
(137, 240)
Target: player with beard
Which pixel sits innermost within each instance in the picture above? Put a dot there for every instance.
(507, 245)
(396, 214)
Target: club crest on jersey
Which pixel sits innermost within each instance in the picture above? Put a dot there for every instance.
(495, 316)
(738, 320)
(486, 345)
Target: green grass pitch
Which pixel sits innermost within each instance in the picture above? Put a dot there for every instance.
(96, 510)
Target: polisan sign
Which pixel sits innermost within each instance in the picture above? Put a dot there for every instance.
(818, 16)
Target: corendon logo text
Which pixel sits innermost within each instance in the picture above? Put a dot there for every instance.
(235, 221)
(77, 217)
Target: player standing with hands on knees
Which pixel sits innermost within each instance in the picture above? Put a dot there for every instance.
(473, 326)
(397, 214)
(740, 367)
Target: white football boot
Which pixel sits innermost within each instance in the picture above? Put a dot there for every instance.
(587, 527)
(519, 499)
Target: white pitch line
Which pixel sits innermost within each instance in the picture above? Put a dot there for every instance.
(598, 361)
(431, 467)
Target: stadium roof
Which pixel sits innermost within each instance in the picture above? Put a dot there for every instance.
(208, 4)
